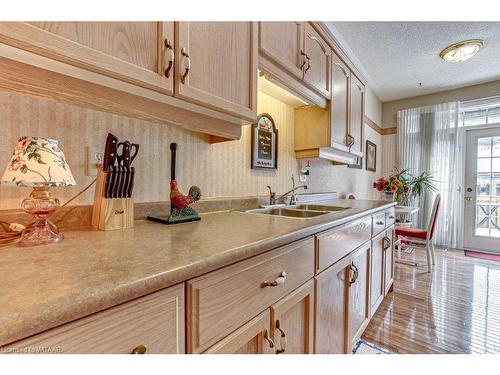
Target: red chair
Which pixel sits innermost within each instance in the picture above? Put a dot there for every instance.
(421, 237)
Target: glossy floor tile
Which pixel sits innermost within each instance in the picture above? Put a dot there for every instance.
(454, 309)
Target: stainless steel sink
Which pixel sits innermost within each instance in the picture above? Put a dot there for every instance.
(301, 214)
(319, 207)
(303, 211)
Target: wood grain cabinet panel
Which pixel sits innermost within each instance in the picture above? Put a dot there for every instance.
(331, 299)
(317, 68)
(251, 338)
(377, 286)
(359, 293)
(336, 243)
(339, 104)
(389, 260)
(292, 320)
(222, 65)
(134, 52)
(221, 301)
(283, 43)
(155, 321)
(357, 115)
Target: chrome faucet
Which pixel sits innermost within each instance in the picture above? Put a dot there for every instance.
(293, 199)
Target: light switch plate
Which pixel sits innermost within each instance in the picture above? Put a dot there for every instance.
(95, 158)
(302, 178)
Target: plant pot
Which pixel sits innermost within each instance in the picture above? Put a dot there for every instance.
(388, 196)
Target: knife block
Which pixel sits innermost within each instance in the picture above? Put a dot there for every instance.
(110, 213)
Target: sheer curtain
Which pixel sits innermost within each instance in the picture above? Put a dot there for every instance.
(431, 139)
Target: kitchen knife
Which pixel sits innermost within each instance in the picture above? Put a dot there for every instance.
(118, 182)
(124, 160)
(111, 181)
(109, 152)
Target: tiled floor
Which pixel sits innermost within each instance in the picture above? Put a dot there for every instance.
(454, 309)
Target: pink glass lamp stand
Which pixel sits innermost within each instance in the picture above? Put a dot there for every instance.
(41, 205)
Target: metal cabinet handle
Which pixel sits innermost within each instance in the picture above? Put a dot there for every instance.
(386, 243)
(308, 64)
(355, 274)
(352, 140)
(304, 60)
(169, 57)
(268, 339)
(279, 280)
(187, 64)
(391, 217)
(283, 339)
(141, 349)
(379, 223)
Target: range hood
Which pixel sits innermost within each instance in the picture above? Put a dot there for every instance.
(329, 153)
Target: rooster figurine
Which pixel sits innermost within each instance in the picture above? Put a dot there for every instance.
(180, 201)
(180, 212)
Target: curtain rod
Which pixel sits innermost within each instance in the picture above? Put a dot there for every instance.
(472, 101)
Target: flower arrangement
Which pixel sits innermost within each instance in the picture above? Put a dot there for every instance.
(399, 188)
(405, 186)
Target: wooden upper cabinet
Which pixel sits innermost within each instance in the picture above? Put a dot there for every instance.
(134, 52)
(359, 293)
(292, 321)
(216, 66)
(283, 42)
(317, 67)
(332, 298)
(339, 104)
(251, 338)
(357, 115)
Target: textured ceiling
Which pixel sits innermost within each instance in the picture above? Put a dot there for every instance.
(396, 56)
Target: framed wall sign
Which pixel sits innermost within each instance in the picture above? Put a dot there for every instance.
(264, 143)
(371, 156)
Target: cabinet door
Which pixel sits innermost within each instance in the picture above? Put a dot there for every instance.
(134, 52)
(292, 321)
(359, 293)
(339, 104)
(283, 42)
(331, 288)
(317, 67)
(251, 338)
(377, 286)
(216, 65)
(357, 115)
(389, 260)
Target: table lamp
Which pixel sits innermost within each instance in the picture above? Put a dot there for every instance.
(39, 163)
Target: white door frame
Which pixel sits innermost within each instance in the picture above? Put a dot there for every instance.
(470, 239)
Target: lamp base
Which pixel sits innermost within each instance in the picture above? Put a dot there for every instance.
(41, 205)
(40, 232)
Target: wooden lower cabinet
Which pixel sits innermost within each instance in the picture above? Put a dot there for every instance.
(252, 338)
(389, 260)
(377, 286)
(150, 324)
(331, 300)
(292, 321)
(359, 293)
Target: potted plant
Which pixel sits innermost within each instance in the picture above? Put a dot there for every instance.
(405, 187)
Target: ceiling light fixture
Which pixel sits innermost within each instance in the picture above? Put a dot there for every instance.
(461, 51)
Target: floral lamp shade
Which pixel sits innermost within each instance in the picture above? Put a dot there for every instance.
(38, 161)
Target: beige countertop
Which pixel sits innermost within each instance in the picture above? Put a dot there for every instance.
(46, 286)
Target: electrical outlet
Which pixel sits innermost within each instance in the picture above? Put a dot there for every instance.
(95, 158)
(302, 178)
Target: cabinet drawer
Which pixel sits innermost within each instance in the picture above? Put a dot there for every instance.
(223, 300)
(390, 217)
(155, 321)
(378, 223)
(336, 243)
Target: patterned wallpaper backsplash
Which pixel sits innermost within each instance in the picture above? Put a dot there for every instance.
(221, 170)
